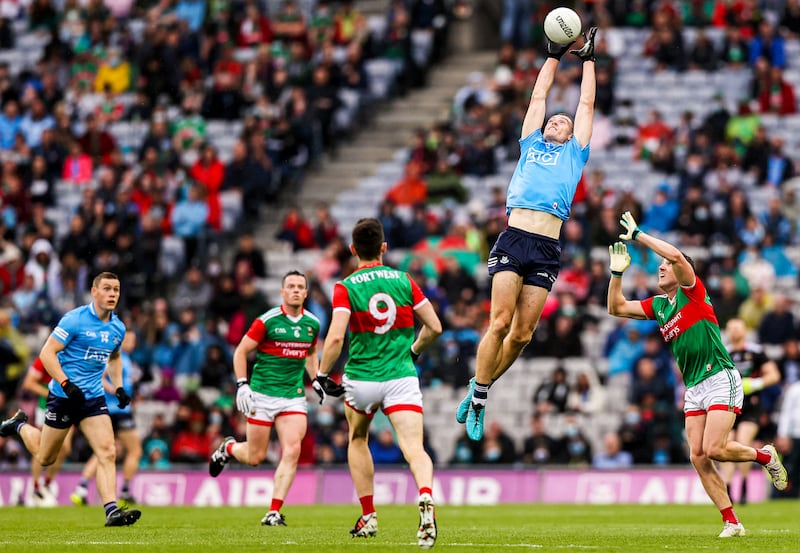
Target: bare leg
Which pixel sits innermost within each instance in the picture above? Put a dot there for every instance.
(359, 459)
(408, 426)
(526, 317)
(100, 434)
(291, 430)
(506, 287)
(709, 477)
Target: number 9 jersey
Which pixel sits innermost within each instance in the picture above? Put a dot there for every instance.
(381, 303)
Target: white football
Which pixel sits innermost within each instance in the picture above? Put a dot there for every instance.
(562, 25)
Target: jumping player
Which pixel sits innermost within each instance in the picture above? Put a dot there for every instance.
(525, 260)
(714, 393)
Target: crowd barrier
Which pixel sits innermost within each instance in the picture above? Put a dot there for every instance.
(451, 487)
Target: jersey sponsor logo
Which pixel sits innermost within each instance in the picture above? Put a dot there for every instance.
(289, 350)
(541, 154)
(97, 354)
(359, 278)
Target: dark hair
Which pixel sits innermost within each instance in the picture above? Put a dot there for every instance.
(105, 275)
(691, 262)
(293, 272)
(368, 238)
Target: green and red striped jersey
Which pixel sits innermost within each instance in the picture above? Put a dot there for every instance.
(381, 303)
(283, 344)
(690, 329)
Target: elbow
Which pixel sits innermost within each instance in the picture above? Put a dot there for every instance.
(436, 330)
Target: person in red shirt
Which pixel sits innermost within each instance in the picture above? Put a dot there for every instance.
(411, 189)
(209, 173)
(778, 96)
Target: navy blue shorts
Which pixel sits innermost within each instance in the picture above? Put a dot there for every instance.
(536, 258)
(122, 421)
(63, 412)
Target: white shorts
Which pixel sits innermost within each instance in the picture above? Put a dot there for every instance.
(38, 417)
(400, 394)
(721, 392)
(267, 408)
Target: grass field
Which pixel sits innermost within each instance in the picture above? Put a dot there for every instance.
(771, 527)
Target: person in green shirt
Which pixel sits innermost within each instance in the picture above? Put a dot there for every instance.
(714, 392)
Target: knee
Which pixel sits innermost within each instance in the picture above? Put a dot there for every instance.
(255, 458)
(716, 453)
(520, 339)
(291, 452)
(699, 459)
(501, 325)
(46, 460)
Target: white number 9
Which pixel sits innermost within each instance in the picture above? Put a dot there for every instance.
(387, 316)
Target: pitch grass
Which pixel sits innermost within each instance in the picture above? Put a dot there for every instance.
(772, 527)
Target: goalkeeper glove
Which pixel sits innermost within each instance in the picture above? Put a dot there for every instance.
(586, 52)
(620, 259)
(123, 399)
(244, 396)
(555, 50)
(324, 386)
(752, 385)
(632, 230)
(73, 392)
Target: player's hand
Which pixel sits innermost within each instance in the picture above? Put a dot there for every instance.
(123, 399)
(620, 259)
(555, 50)
(73, 392)
(324, 387)
(631, 228)
(244, 398)
(586, 52)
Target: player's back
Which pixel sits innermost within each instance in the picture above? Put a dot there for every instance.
(381, 302)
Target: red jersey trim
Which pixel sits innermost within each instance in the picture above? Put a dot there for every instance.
(647, 307)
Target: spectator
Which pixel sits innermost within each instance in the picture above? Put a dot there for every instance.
(296, 230)
(551, 396)
(778, 325)
(768, 43)
(411, 189)
(249, 253)
(188, 220)
(384, 450)
(540, 447)
(612, 457)
(586, 397)
(778, 97)
(497, 447)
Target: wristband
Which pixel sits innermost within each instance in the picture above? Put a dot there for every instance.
(64, 382)
(320, 375)
(616, 274)
(636, 232)
(412, 350)
(752, 385)
(241, 382)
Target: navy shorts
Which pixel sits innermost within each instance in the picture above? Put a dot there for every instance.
(122, 421)
(63, 412)
(536, 258)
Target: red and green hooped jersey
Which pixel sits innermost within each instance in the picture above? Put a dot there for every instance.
(690, 328)
(283, 344)
(381, 303)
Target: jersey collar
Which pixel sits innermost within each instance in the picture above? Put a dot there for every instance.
(293, 318)
(368, 266)
(93, 311)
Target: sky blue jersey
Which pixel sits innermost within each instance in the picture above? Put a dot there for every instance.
(546, 175)
(127, 382)
(89, 342)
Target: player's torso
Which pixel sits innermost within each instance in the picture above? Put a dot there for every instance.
(281, 354)
(748, 360)
(694, 338)
(381, 324)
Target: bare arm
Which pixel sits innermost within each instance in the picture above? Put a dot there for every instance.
(770, 374)
(114, 369)
(537, 108)
(33, 384)
(431, 327)
(619, 306)
(584, 115)
(683, 270)
(312, 362)
(334, 341)
(49, 357)
(246, 345)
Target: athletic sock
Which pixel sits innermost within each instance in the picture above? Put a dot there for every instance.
(36, 484)
(110, 507)
(18, 426)
(125, 487)
(276, 504)
(84, 483)
(367, 505)
(425, 490)
(762, 457)
(229, 449)
(728, 515)
(480, 394)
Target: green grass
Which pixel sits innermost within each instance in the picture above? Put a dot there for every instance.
(772, 527)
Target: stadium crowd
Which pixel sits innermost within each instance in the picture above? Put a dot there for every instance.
(53, 128)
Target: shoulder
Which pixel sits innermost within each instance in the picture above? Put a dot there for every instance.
(309, 315)
(271, 314)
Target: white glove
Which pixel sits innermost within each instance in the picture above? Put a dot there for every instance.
(620, 258)
(244, 399)
(631, 228)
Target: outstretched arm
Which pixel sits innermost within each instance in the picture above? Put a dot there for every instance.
(537, 108)
(618, 305)
(680, 265)
(584, 115)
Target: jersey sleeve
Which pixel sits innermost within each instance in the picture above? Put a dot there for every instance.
(257, 331)
(37, 367)
(66, 329)
(533, 136)
(341, 299)
(418, 298)
(582, 152)
(696, 293)
(647, 307)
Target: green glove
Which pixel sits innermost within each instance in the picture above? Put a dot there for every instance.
(620, 259)
(631, 228)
